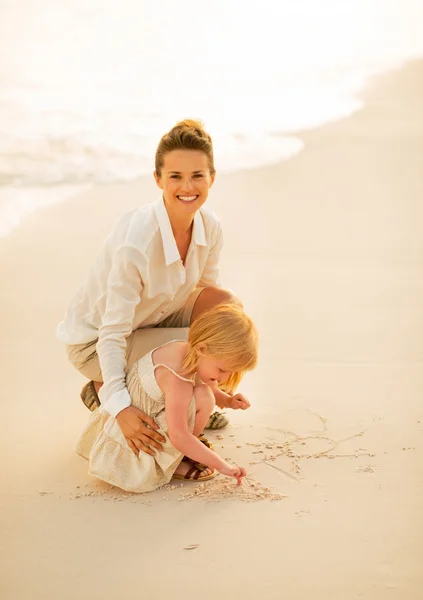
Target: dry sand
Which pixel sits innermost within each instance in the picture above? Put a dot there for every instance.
(327, 252)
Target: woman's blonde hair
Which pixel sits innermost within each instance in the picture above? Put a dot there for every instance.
(229, 335)
(185, 135)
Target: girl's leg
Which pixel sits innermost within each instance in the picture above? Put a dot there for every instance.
(205, 402)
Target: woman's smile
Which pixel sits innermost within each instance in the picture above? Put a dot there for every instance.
(187, 199)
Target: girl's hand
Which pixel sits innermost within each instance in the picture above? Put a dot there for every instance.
(239, 402)
(231, 471)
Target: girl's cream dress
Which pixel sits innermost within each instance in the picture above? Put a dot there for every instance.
(103, 444)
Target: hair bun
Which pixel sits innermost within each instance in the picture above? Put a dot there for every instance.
(188, 134)
(198, 126)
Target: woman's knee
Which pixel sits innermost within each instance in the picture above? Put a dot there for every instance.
(211, 296)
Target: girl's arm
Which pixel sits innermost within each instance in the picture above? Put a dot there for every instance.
(178, 396)
(224, 400)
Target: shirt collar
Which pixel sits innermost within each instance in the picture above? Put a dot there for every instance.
(169, 244)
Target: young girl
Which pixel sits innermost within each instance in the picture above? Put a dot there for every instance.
(178, 385)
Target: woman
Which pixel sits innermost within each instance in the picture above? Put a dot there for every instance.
(157, 271)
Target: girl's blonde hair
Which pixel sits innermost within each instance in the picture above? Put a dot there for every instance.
(229, 335)
(185, 135)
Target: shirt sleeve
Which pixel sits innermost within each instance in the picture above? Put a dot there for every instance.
(124, 289)
(210, 274)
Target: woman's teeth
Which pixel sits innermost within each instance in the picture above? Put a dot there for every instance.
(187, 198)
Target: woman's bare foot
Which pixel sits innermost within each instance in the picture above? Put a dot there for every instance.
(187, 468)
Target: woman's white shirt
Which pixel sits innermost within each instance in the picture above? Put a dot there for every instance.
(138, 280)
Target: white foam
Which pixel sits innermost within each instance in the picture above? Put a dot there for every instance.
(17, 203)
(86, 91)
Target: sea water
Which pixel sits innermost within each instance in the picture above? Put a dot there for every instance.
(87, 87)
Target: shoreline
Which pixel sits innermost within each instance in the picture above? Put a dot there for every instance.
(326, 252)
(297, 136)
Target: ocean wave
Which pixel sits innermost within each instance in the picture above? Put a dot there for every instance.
(17, 203)
(85, 94)
(29, 162)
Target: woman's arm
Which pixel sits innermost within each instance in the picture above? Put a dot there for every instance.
(124, 288)
(210, 275)
(178, 396)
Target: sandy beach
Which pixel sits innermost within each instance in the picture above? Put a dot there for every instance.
(326, 250)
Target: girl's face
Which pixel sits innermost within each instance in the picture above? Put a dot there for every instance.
(185, 180)
(212, 371)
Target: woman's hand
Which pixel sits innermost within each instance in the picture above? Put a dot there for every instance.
(231, 471)
(238, 401)
(139, 431)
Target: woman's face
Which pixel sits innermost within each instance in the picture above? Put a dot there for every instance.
(185, 180)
